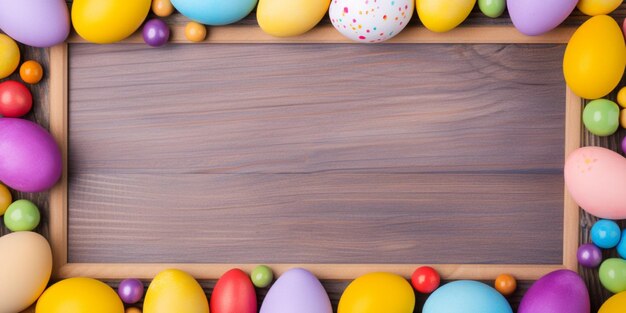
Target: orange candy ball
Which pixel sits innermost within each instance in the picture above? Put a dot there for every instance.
(505, 284)
(133, 310)
(162, 8)
(622, 118)
(621, 97)
(195, 32)
(5, 199)
(31, 72)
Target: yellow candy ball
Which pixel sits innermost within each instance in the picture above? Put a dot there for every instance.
(621, 97)
(615, 304)
(598, 7)
(195, 32)
(5, 199)
(9, 56)
(162, 8)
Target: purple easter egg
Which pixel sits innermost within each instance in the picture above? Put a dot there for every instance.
(30, 160)
(297, 290)
(536, 17)
(561, 291)
(37, 23)
(589, 255)
(156, 33)
(130, 290)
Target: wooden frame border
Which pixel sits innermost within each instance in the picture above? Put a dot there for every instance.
(321, 34)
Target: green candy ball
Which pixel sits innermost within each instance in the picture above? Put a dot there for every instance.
(601, 117)
(492, 8)
(261, 276)
(613, 275)
(22, 215)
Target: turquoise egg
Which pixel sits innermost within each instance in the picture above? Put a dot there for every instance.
(466, 296)
(215, 12)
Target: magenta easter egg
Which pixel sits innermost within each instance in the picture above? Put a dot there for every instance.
(536, 17)
(37, 23)
(561, 291)
(234, 293)
(596, 180)
(30, 160)
(297, 290)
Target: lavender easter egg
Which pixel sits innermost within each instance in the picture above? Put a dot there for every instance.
(536, 17)
(596, 180)
(297, 290)
(30, 160)
(37, 23)
(561, 291)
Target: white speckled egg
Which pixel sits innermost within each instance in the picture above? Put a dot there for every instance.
(370, 21)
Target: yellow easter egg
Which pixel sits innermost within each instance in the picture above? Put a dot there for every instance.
(175, 291)
(9, 56)
(378, 292)
(595, 58)
(79, 295)
(285, 18)
(108, 21)
(598, 7)
(443, 15)
(615, 304)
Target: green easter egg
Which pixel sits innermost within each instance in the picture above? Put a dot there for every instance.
(613, 275)
(601, 117)
(261, 276)
(22, 215)
(492, 8)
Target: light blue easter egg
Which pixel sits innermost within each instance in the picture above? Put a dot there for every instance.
(466, 296)
(215, 12)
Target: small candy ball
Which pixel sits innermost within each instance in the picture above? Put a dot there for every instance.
(425, 279)
(15, 99)
(605, 234)
(130, 290)
(31, 72)
(261, 276)
(621, 246)
(156, 33)
(9, 56)
(601, 117)
(5, 199)
(492, 8)
(132, 310)
(624, 144)
(622, 118)
(621, 95)
(195, 32)
(589, 255)
(505, 284)
(22, 215)
(162, 8)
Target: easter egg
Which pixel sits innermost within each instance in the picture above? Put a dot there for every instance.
(615, 304)
(588, 170)
(505, 284)
(492, 8)
(378, 292)
(621, 246)
(130, 290)
(195, 32)
(369, 21)
(30, 160)
(37, 23)
(442, 16)
(262, 276)
(466, 296)
(5, 199)
(108, 21)
(22, 215)
(162, 8)
(285, 18)
(25, 268)
(536, 17)
(595, 57)
(15, 99)
(561, 291)
(175, 291)
(234, 293)
(613, 275)
(215, 12)
(9, 56)
(601, 117)
(589, 255)
(156, 33)
(79, 295)
(31, 72)
(605, 234)
(598, 7)
(297, 290)
(425, 279)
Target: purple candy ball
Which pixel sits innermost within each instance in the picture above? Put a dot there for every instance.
(130, 291)
(624, 140)
(589, 255)
(156, 33)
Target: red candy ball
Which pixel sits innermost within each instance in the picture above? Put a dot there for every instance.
(425, 279)
(15, 99)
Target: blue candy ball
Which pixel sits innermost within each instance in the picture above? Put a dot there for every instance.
(621, 247)
(605, 234)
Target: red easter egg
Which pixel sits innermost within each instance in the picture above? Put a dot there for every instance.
(234, 293)
(425, 279)
(15, 99)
